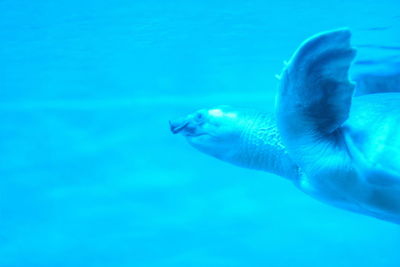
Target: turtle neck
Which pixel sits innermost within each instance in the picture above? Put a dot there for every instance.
(261, 147)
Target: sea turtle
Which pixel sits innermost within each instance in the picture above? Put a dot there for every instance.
(340, 149)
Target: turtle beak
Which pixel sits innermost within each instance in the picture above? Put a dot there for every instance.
(177, 126)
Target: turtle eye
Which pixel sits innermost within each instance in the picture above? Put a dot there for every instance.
(199, 117)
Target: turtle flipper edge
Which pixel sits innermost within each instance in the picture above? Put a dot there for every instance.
(315, 89)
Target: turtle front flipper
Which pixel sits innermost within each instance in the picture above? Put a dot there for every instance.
(313, 103)
(315, 93)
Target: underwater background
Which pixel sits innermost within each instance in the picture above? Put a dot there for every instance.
(90, 174)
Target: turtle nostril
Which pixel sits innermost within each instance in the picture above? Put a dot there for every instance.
(177, 126)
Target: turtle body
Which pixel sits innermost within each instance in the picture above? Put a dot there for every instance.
(340, 149)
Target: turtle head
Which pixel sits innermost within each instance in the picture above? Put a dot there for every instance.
(244, 137)
(215, 131)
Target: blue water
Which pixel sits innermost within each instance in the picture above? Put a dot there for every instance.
(90, 174)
